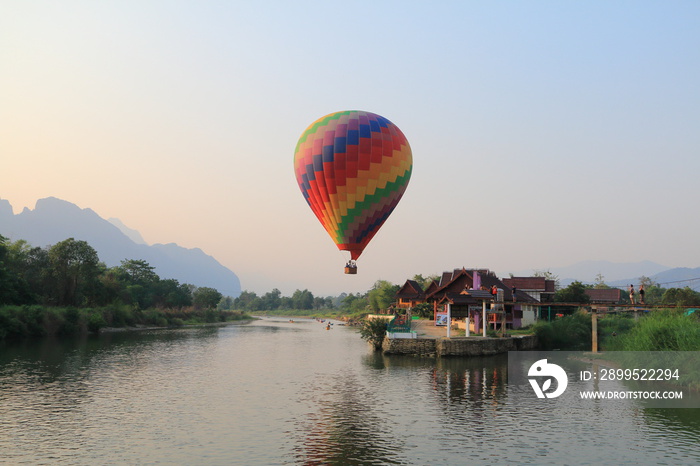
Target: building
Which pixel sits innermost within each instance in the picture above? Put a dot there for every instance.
(538, 288)
(468, 292)
(410, 295)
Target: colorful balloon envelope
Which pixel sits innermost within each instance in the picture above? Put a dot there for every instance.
(352, 168)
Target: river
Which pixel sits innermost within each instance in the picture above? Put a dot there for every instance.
(280, 392)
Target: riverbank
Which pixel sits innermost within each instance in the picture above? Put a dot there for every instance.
(432, 341)
(19, 322)
(141, 328)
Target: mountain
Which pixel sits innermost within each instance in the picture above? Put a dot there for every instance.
(133, 235)
(624, 274)
(587, 271)
(680, 277)
(54, 220)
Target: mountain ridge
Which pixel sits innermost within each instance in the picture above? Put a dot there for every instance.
(53, 220)
(623, 274)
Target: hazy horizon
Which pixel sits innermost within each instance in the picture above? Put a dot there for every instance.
(543, 134)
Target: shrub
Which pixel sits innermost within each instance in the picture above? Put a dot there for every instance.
(176, 322)
(95, 320)
(373, 331)
(669, 330)
(572, 332)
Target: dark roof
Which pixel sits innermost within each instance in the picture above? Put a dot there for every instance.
(410, 289)
(526, 283)
(454, 281)
(604, 295)
(431, 288)
(457, 298)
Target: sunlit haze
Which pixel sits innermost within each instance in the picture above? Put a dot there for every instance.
(543, 133)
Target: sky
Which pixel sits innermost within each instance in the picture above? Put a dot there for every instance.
(543, 133)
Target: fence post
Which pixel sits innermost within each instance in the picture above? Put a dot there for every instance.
(594, 329)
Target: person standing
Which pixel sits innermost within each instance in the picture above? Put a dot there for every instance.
(641, 294)
(632, 294)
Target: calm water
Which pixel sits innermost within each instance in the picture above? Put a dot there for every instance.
(275, 392)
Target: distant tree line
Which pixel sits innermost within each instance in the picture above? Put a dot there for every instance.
(70, 273)
(381, 296)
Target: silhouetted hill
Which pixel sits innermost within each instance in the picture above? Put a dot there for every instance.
(54, 220)
(586, 271)
(680, 277)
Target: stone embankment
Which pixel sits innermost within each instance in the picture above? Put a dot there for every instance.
(431, 341)
(461, 346)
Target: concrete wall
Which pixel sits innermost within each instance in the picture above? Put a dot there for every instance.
(475, 346)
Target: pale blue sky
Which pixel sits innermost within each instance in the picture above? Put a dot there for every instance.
(543, 133)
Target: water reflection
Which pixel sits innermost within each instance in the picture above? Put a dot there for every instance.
(276, 392)
(344, 427)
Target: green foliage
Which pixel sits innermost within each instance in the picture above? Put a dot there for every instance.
(424, 310)
(206, 298)
(571, 332)
(74, 270)
(424, 282)
(373, 331)
(302, 299)
(574, 293)
(40, 321)
(355, 304)
(70, 274)
(611, 328)
(382, 295)
(681, 297)
(669, 330)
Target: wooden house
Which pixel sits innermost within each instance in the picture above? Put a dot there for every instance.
(410, 295)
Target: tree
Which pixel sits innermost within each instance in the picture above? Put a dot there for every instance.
(355, 304)
(271, 299)
(424, 310)
(206, 298)
(139, 283)
(247, 301)
(647, 282)
(382, 295)
(75, 270)
(424, 282)
(574, 293)
(7, 288)
(303, 299)
(23, 272)
(138, 272)
(600, 282)
(681, 297)
(170, 293)
(548, 275)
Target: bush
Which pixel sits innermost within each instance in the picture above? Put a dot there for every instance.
(176, 322)
(611, 328)
(572, 332)
(95, 320)
(669, 330)
(373, 331)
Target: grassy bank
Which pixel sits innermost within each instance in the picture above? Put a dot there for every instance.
(664, 330)
(41, 321)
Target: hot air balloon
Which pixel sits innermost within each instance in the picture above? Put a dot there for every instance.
(352, 168)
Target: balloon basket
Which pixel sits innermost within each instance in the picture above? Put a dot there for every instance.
(351, 270)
